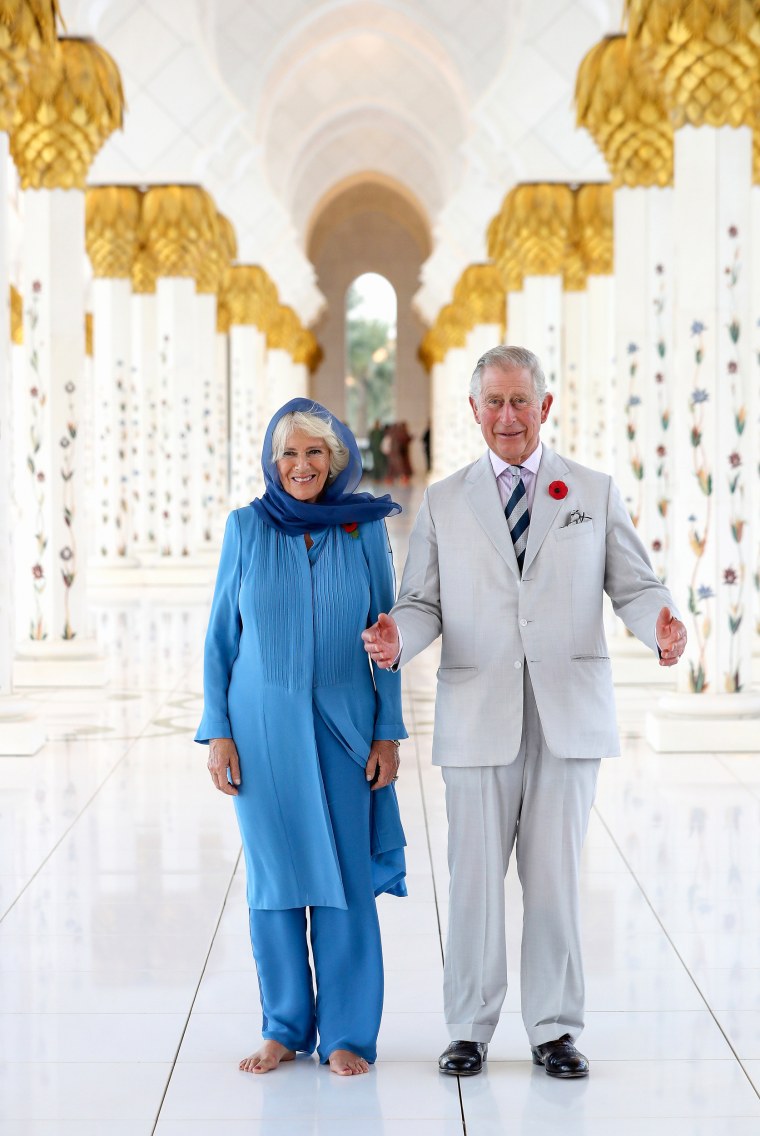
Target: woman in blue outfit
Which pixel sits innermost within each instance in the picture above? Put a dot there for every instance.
(304, 736)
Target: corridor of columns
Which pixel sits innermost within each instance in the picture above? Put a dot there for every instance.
(187, 193)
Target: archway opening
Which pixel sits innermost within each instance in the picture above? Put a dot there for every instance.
(371, 313)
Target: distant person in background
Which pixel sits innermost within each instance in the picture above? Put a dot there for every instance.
(399, 466)
(405, 440)
(426, 447)
(379, 461)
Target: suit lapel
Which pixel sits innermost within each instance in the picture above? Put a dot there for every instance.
(545, 507)
(483, 496)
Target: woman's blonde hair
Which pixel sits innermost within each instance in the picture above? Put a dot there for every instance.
(315, 427)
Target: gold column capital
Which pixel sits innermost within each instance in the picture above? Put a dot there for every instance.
(26, 28)
(229, 250)
(251, 296)
(503, 254)
(89, 330)
(283, 329)
(481, 293)
(306, 349)
(619, 100)
(178, 226)
(594, 227)
(17, 315)
(72, 102)
(452, 326)
(707, 55)
(112, 221)
(431, 349)
(537, 220)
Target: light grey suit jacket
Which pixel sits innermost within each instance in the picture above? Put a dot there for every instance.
(461, 581)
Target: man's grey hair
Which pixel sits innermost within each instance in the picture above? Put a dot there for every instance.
(315, 427)
(509, 359)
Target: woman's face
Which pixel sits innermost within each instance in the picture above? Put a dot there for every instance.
(304, 466)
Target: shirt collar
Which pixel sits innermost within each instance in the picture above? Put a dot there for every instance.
(531, 463)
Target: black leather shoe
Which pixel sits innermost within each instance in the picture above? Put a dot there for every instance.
(463, 1058)
(560, 1058)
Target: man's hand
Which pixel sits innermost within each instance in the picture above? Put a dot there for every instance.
(381, 641)
(671, 638)
(223, 755)
(383, 761)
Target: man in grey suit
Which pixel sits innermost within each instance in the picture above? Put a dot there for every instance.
(508, 561)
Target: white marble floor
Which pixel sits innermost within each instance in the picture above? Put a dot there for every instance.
(127, 990)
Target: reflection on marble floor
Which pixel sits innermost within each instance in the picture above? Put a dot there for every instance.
(127, 990)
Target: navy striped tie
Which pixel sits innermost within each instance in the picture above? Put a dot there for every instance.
(517, 515)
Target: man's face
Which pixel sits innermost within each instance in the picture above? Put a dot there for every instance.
(509, 413)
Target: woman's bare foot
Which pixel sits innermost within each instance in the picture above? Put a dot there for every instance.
(347, 1064)
(267, 1058)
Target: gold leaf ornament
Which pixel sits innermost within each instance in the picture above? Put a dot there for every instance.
(594, 227)
(251, 296)
(706, 54)
(481, 295)
(112, 222)
(26, 28)
(178, 227)
(537, 221)
(620, 101)
(73, 100)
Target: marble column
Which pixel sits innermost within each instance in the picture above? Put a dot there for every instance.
(112, 218)
(715, 443)
(71, 103)
(531, 243)
(621, 104)
(250, 299)
(753, 414)
(28, 31)
(247, 380)
(21, 733)
(480, 295)
(179, 229)
(144, 354)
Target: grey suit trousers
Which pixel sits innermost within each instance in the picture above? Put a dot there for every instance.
(541, 804)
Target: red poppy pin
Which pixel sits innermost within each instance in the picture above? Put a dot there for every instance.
(558, 490)
(352, 529)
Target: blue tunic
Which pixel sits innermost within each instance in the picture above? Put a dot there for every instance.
(283, 645)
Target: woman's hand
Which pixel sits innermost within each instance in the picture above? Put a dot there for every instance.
(383, 759)
(223, 755)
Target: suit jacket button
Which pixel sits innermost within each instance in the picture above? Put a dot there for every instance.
(518, 664)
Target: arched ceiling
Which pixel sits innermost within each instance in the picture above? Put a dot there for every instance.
(272, 103)
(363, 194)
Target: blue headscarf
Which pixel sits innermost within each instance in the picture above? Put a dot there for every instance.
(337, 504)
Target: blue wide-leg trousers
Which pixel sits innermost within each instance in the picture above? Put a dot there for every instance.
(345, 1012)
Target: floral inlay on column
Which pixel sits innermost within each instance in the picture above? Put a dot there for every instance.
(209, 461)
(551, 383)
(185, 514)
(734, 576)
(165, 446)
(121, 520)
(38, 396)
(700, 529)
(67, 554)
(633, 402)
(661, 543)
(135, 425)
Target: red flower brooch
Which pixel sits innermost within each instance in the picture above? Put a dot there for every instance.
(558, 490)
(352, 528)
